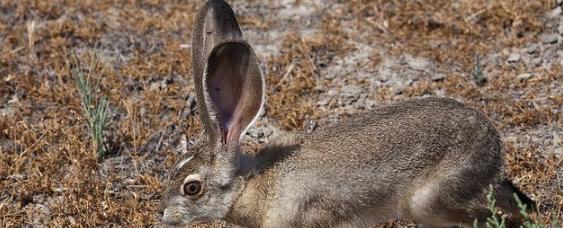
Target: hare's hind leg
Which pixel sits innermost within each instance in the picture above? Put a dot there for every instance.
(504, 195)
(448, 201)
(464, 207)
(448, 213)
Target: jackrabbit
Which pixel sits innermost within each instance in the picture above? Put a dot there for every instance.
(428, 160)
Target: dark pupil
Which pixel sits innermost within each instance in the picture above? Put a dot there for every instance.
(192, 188)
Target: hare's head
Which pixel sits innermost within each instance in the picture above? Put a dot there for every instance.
(230, 93)
(204, 185)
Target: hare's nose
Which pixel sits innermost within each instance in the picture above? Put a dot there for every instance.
(171, 218)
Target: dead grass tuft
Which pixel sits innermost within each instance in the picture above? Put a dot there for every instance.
(293, 78)
(535, 168)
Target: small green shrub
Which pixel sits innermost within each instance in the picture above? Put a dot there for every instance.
(494, 220)
(498, 221)
(95, 108)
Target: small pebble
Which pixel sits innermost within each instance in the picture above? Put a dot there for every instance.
(438, 77)
(416, 63)
(550, 38)
(523, 77)
(332, 92)
(514, 57)
(351, 91)
(536, 62)
(554, 12)
(533, 48)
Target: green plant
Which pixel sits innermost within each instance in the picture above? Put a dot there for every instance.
(494, 221)
(523, 211)
(95, 109)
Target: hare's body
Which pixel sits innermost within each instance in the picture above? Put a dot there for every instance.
(428, 160)
(423, 159)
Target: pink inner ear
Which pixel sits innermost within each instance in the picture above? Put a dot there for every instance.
(225, 89)
(235, 88)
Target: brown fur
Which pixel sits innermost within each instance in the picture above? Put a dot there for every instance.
(429, 160)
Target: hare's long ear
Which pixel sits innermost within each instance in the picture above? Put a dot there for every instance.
(214, 24)
(234, 90)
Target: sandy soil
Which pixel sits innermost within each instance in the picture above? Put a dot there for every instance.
(322, 60)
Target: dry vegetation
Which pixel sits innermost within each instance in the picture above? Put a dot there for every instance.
(48, 169)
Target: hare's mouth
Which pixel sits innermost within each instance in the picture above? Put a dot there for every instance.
(175, 217)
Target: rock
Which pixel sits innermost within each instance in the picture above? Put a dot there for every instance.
(5, 112)
(524, 76)
(332, 92)
(349, 94)
(416, 63)
(18, 177)
(71, 220)
(532, 48)
(158, 85)
(554, 12)
(182, 146)
(440, 93)
(329, 76)
(400, 86)
(370, 103)
(549, 55)
(560, 28)
(550, 38)
(438, 77)
(323, 101)
(514, 57)
(310, 126)
(536, 62)
(351, 91)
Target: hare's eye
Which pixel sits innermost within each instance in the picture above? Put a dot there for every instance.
(192, 188)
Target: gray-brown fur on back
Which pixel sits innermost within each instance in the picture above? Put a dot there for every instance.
(428, 160)
(377, 162)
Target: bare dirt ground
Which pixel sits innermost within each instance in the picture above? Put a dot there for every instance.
(323, 59)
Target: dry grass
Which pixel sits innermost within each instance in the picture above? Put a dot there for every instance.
(449, 31)
(48, 174)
